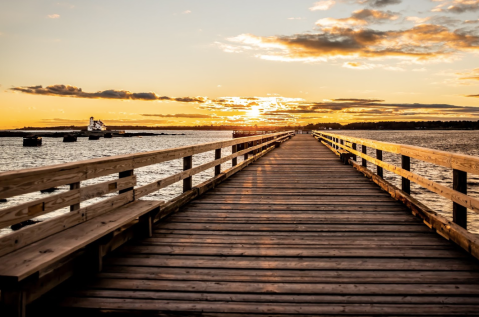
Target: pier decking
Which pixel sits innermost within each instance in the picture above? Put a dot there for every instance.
(295, 233)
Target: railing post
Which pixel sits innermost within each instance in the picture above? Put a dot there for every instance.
(459, 183)
(246, 146)
(72, 187)
(187, 182)
(123, 175)
(379, 156)
(234, 161)
(364, 150)
(217, 157)
(406, 165)
(355, 147)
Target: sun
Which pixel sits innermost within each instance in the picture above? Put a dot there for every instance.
(254, 112)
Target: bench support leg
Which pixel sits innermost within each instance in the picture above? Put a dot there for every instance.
(14, 302)
(145, 228)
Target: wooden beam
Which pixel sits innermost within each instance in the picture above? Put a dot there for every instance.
(379, 156)
(187, 165)
(73, 187)
(406, 165)
(234, 161)
(217, 157)
(364, 150)
(125, 174)
(459, 183)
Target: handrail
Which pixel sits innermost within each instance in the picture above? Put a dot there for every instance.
(25, 181)
(13, 183)
(465, 163)
(461, 165)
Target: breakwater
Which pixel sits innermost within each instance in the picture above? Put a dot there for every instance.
(80, 134)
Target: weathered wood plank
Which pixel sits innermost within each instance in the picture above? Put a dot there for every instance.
(23, 212)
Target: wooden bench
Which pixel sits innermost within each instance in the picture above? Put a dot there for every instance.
(22, 272)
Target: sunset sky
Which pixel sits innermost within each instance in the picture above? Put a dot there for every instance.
(278, 62)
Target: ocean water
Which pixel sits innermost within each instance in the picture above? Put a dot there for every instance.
(13, 156)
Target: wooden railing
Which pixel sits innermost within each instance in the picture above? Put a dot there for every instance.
(460, 165)
(38, 257)
(15, 183)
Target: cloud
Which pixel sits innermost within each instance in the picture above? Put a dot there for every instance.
(183, 115)
(186, 12)
(441, 20)
(470, 75)
(53, 16)
(473, 96)
(322, 5)
(461, 6)
(360, 18)
(420, 43)
(380, 3)
(363, 66)
(75, 92)
(69, 122)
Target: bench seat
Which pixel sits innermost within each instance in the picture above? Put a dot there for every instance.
(29, 260)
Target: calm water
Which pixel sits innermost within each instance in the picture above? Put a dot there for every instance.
(14, 156)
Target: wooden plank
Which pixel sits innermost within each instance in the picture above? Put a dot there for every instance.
(273, 263)
(290, 276)
(292, 227)
(45, 252)
(278, 298)
(351, 234)
(27, 235)
(205, 307)
(291, 288)
(288, 240)
(296, 252)
(26, 211)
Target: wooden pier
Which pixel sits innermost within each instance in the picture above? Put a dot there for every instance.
(291, 231)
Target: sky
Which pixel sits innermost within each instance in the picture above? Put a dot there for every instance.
(248, 62)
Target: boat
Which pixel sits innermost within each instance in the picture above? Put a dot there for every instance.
(32, 140)
(108, 135)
